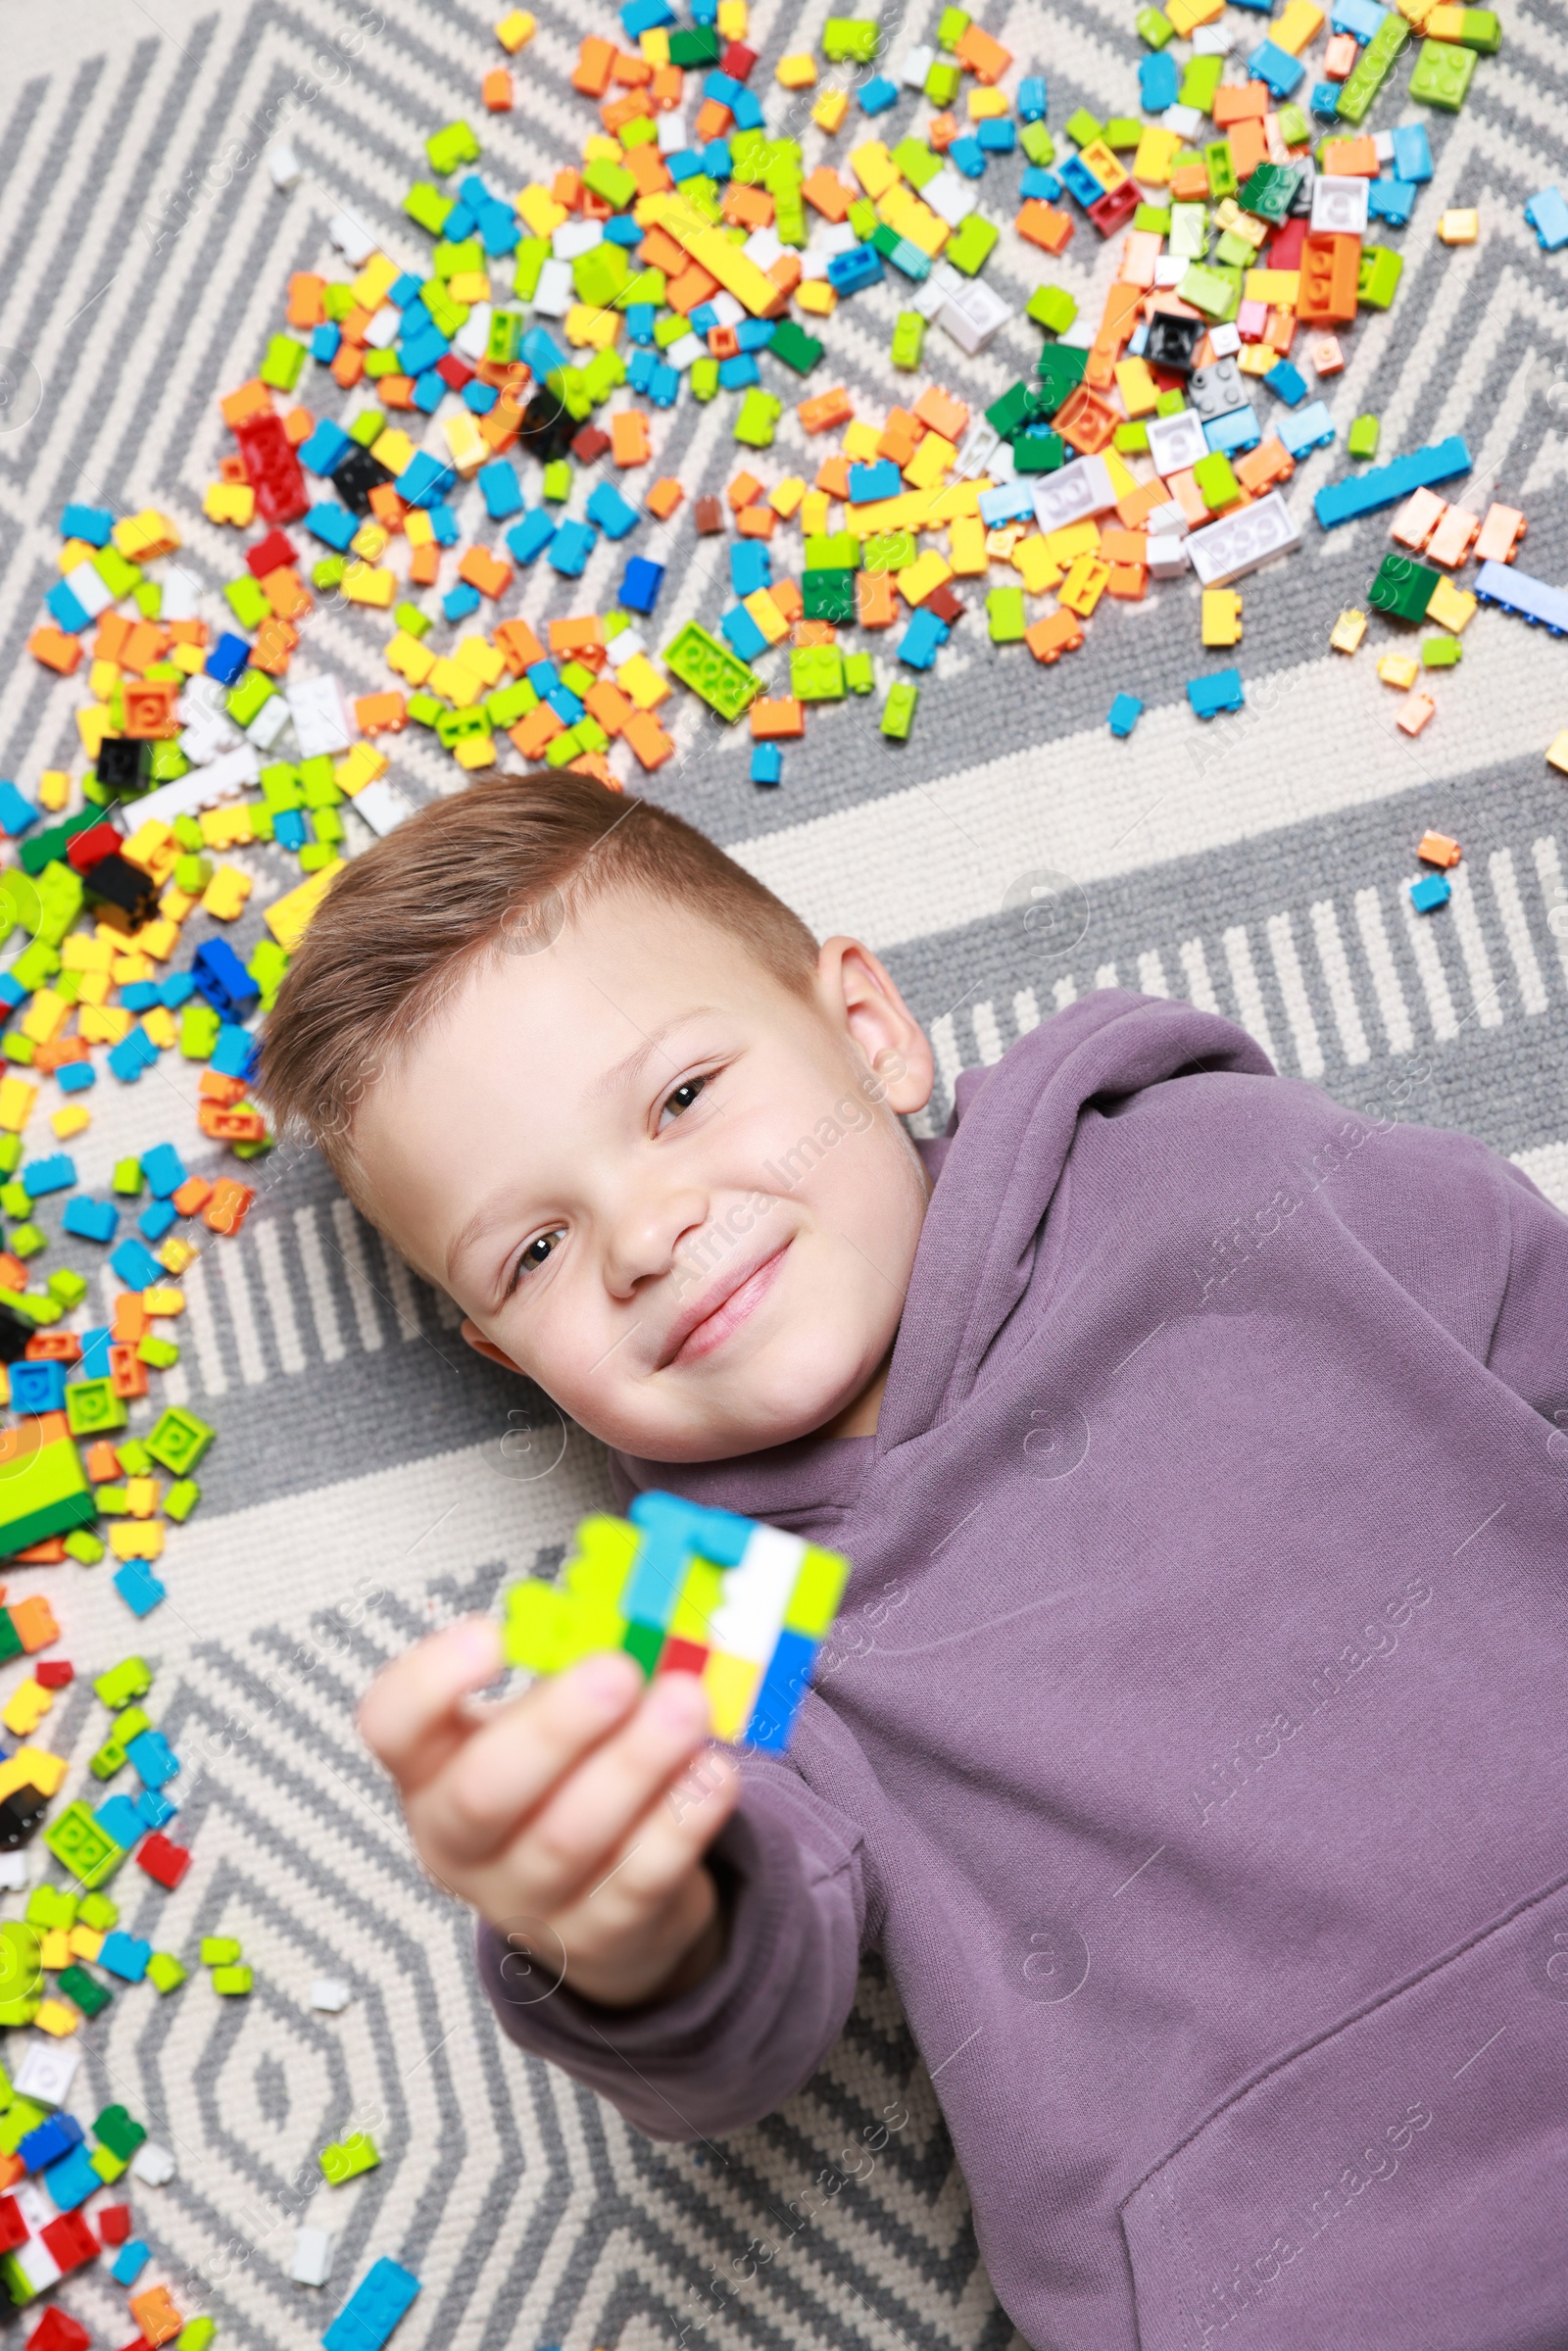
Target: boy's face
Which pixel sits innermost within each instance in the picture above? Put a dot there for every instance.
(672, 1192)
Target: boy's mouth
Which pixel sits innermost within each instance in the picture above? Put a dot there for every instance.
(713, 1318)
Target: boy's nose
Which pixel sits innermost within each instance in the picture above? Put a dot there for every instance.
(646, 1239)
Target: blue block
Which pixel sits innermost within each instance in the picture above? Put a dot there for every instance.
(672, 1529)
(48, 2141)
(234, 1053)
(623, 230)
(685, 163)
(1528, 599)
(1044, 184)
(1359, 17)
(1078, 181)
(368, 2315)
(176, 990)
(530, 537)
(155, 1809)
(137, 1266)
(739, 372)
(72, 2181)
(95, 1345)
(640, 370)
(544, 677)
(1008, 502)
(1391, 200)
(137, 996)
(16, 811)
(1287, 383)
(333, 524)
(609, 511)
(430, 390)
(778, 1699)
(922, 639)
(65, 610)
(747, 110)
(1382, 486)
(749, 566)
(38, 1387)
(155, 1222)
(460, 600)
(1032, 100)
(878, 94)
(500, 489)
(640, 316)
(139, 1589)
(76, 1077)
(402, 290)
(1412, 153)
(567, 708)
(117, 1816)
(742, 633)
(1547, 215)
(444, 523)
(1325, 100)
(998, 135)
(154, 1759)
(542, 353)
(289, 828)
(94, 523)
(130, 2261)
(324, 341)
(639, 588)
(1275, 65)
(91, 1221)
(909, 261)
(569, 549)
(1158, 82)
(641, 15)
(1309, 428)
(423, 480)
(767, 763)
(754, 334)
(55, 1173)
(966, 155)
(221, 979)
(847, 273)
(1429, 891)
(1124, 714)
(228, 660)
(869, 482)
(423, 345)
(124, 1955)
(131, 1056)
(1237, 430)
(1221, 691)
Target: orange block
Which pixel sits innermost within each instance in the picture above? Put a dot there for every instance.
(228, 1206)
(537, 728)
(143, 643)
(747, 207)
(688, 288)
(286, 592)
(649, 170)
(305, 304)
(941, 131)
(985, 58)
(519, 645)
(103, 1463)
(1189, 184)
(53, 1346)
(1124, 546)
(875, 603)
(154, 2313)
(276, 641)
(939, 413)
(604, 702)
(127, 1374)
(1350, 159)
(579, 632)
(742, 491)
(631, 69)
(386, 504)
(595, 763)
(1048, 639)
(1129, 581)
(613, 115)
(772, 720)
(786, 594)
(650, 744)
(1085, 421)
(34, 1617)
(1240, 102)
(756, 522)
(712, 121)
(55, 649)
(376, 714)
(1041, 223)
(566, 187)
(660, 251)
(496, 90)
(814, 632)
(48, 1553)
(666, 86)
(596, 60)
(628, 437)
(299, 424)
(253, 399)
(1249, 147)
(424, 566)
(150, 710)
(485, 572)
(1330, 269)
(1261, 468)
(213, 1087)
(826, 410)
(348, 367)
(191, 1197)
(828, 194)
(833, 476)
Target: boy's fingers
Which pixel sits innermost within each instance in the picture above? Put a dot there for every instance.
(655, 1854)
(410, 1716)
(503, 1767)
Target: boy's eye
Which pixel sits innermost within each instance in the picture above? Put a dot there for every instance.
(682, 1099)
(533, 1256)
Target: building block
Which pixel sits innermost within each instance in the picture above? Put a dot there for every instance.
(1548, 215)
(373, 2309)
(711, 672)
(1532, 600)
(1387, 485)
(1432, 890)
(1125, 712)
(1220, 691)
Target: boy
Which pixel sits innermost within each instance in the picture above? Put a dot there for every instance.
(1192, 1746)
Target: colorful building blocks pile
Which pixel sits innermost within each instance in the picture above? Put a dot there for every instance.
(682, 1589)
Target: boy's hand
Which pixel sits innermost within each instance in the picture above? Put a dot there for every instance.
(562, 1805)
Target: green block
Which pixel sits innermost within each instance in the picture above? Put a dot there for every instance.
(702, 377)
(827, 595)
(425, 205)
(849, 40)
(20, 1963)
(1295, 128)
(450, 146)
(816, 674)
(909, 341)
(1154, 27)
(863, 219)
(233, 1983)
(1132, 438)
(1199, 81)
(1052, 307)
(84, 1546)
(943, 83)
(1081, 129)
(1233, 251)
(601, 274)
(695, 45)
(220, 1950)
(27, 1239)
(1376, 62)
(165, 1972)
(92, 1407)
(49, 1906)
(530, 258)
(159, 1355)
(9, 1647)
(1059, 367)
(1038, 144)
(1443, 74)
(15, 1199)
(888, 551)
(197, 2333)
(1441, 653)
(952, 25)
(44, 1494)
(713, 672)
(1480, 30)
(644, 1642)
(1362, 438)
(1220, 165)
(181, 1500)
(556, 488)
(127, 1179)
(898, 711)
(123, 1684)
(246, 602)
(177, 1440)
(796, 349)
(1154, 217)
(1402, 588)
(9, 1153)
(612, 182)
(15, 2282)
(860, 678)
(1380, 268)
(919, 163)
(760, 413)
(1269, 190)
(1122, 131)
(66, 1287)
(1005, 615)
(199, 1025)
(88, 1993)
(89, 1853)
(1217, 293)
(115, 2127)
(98, 1912)
(1014, 408)
(117, 574)
(1217, 482)
(1037, 451)
(21, 1049)
(281, 369)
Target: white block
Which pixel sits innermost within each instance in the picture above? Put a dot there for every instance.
(1237, 544)
(15, 1877)
(312, 2257)
(182, 595)
(973, 316)
(320, 714)
(928, 296)
(764, 246)
(680, 355)
(1167, 556)
(976, 449)
(1383, 146)
(1176, 443)
(90, 590)
(269, 722)
(286, 168)
(625, 646)
(1168, 519)
(673, 135)
(1170, 270)
(1001, 465)
(473, 337)
(384, 329)
(47, 2070)
(916, 66)
(1185, 121)
(1074, 494)
(1339, 206)
(727, 310)
(33, 2259)
(555, 294)
(754, 1594)
(34, 2206)
(152, 2163)
(1212, 40)
(1225, 341)
(575, 237)
(951, 198)
(222, 778)
(352, 239)
(382, 806)
(330, 1992)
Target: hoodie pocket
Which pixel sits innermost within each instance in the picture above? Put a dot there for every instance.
(1402, 2180)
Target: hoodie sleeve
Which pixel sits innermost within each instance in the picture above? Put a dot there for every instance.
(735, 2046)
(1530, 1341)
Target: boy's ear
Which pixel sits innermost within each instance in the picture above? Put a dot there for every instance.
(482, 1346)
(860, 993)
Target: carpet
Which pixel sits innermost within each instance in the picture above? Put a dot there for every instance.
(373, 1478)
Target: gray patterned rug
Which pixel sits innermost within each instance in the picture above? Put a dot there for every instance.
(371, 1475)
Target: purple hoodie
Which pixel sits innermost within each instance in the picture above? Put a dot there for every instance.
(1193, 1743)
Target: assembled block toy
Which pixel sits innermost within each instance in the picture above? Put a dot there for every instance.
(681, 1589)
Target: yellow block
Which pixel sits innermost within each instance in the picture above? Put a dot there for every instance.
(1102, 160)
(734, 19)
(1450, 606)
(393, 449)
(289, 918)
(860, 442)
(641, 680)
(1348, 631)
(95, 985)
(128, 1540)
(1157, 151)
(229, 502)
(797, 71)
(1399, 671)
(103, 1025)
(514, 28)
(817, 298)
(370, 583)
(731, 1684)
(591, 330)
(933, 460)
(874, 167)
(986, 105)
(53, 2016)
(164, 1301)
(153, 847)
(369, 541)
(1038, 568)
(953, 501)
(917, 580)
(54, 785)
(149, 533)
(1139, 395)
(1460, 228)
(1084, 585)
(23, 1770)
(455, 682)
(418, 527)
(93, 723)
(159, 1027)
(70, 1120)
(1299, 21)
(1279, 286)
(1074, 539)
(486, 660)
(967, 547)
(1187, 14)
(25, 1709)
(1221, 617)
(85, 1942)
(16, 1099)
(82, 953)
(374, 281)
(358, 767)
(475, 750)
(468, 448)
(225, 894)
(829, 112)
(410, 658)
(787, 496)
(539, 210)
(1557, 753)
(766, 615)
(176, 1255)
(46, 1017)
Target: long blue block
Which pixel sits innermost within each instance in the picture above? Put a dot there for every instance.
(373, 2309)
(1385, 485)
(1527, 598)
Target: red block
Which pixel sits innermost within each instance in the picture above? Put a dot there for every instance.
(114, 2224)
(55, 2332)
(13, 2227)
(272, 468)
(70, 2240)
(98, 841)
(453, 371)
(161, 1859)
(275, 551)
(54, 1674)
